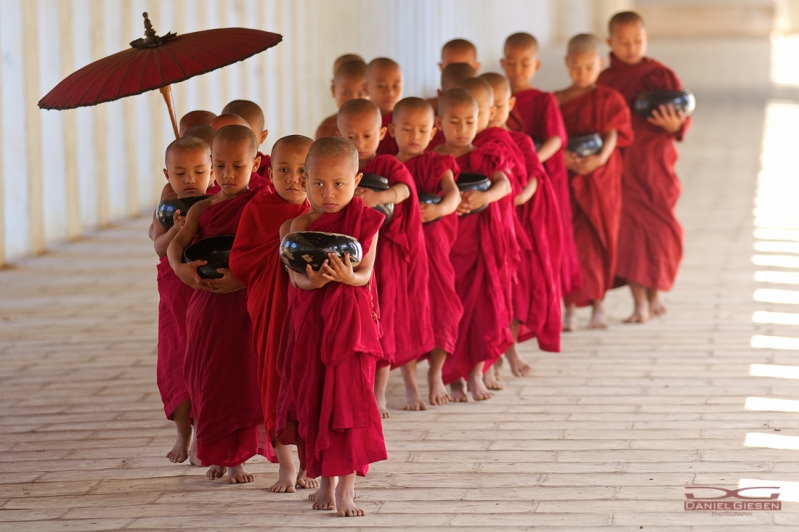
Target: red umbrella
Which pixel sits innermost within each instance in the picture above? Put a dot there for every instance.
(156, 62)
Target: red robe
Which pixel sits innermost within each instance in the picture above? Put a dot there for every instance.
(596, 197)
(650, 238)
(174, 298)
(481, 257)
(537, 114)
(259, 180)
(220, 367)
(439, 236)
(327, 358)
(401, 271)
(388, 146)
(539, 276)
(255, 261)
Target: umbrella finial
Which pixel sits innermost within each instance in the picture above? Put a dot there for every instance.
(151, 39)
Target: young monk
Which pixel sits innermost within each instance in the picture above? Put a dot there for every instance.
(384, 87)
(206, 133)
(194, 118)
(257, 181)
(255, 261)
(595, 180)
(650, 238)
(349, 83)
(402, 269)
(451, 77)
(536, 289)
(188, 171)
(459, 51)
(537, 114)
(332, 336)
(254, 115)
(480, 253)
(434, 173)
(346, 58)
(220, 367)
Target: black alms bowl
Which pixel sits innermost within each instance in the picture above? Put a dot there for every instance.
(299, 249)
(378, 184)
(585, 145)
(215, 250)
(468, 182)
(683, 101)
(165, 211)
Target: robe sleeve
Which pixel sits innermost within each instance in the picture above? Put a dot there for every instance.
(618, 114)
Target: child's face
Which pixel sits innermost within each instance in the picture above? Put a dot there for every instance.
(188, 172)
(584, 68)
(503, 103)
(364, 131)
(233, 165)
(459, 124)
(628, 42)
(385, 88)
(287, 172)
(520, 65)
(330, 182)
(346, 89)
(413, 130)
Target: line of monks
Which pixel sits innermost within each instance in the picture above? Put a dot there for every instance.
(263, 358)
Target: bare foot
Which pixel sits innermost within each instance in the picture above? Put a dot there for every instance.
(215, 472)
(518, 366)
(345, 497)
(437, 391)
(286, 480)
(381, 407)
(413, 399)
(598, 316)
(640, 315)
(180, 451)
(490, 380)
(641, 304)
(570, 319)
(303, 482)
(498, 367)
(381, 382)
(478, 389)
(325, 498)
(238, 475)
(458, 390)
(193, 460)
(656, 307)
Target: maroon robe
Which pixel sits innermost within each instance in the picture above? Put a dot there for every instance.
(401, 271)
(537, 114)
(481, 257)
(327, 357)
(596, 197)
(439, 236)
(174, 298)
(220, 367)
(259, 180)
(650, 237)
(255, 261)
(388, 146)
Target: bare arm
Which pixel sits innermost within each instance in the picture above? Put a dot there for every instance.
(549, 148)
(449, 203)
(527, 192)
(394, 194)
(500, 187)
(589, 163)
(187, 272)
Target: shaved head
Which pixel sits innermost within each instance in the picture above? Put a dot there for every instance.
(334, 147)
(201, 132)
(249, 111)
(498, 82)
(239, 134)
(480, 88)
(411, 104)
(623, 18)
(454, 73)
(228, 120)
(522, 40)
(454, 97)
(380, 63)
(360, 107)
(340, 60)
(195, 118)
(292, 141)
(459, 46)
(350, 70)
(184, 145)
(584, 43)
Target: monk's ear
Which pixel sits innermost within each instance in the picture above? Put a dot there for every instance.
(269, 171)
(537, 65)
(437, 123)
(440, 67)
(382, 133)
(166, 174)
(601, 63)
(438, 91)
(511, 103)
(256, 164)
(391, 130)
(262, 138)
(358, 177)
(433, 131)
(492, 113)
(610, 45)
(333, 88)
(476, 66)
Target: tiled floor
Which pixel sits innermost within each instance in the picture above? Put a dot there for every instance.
(606, 434)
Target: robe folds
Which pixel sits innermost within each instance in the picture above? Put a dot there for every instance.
(596, 197)
(537, 114)
(220, 367)
(255, 261)
(482, 255)
(388, 146)
(401, 271)
(259, 180)
(174, 299)
(439, 236)
(650, 237)
(328, 357)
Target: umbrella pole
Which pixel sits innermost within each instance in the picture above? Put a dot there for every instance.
(166, 92)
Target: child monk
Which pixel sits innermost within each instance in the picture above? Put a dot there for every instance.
(402, 269)
(433, 173)
(254, 115)
(188, 171)
(255, 261)
(479, 254)
(194, 118)
(459, 51)
(537, 114)
(384, 87)
(332, 335)
(206, 133)
(595, 180)
(220, 367)
(346, 58)
(451, 76)
(349, 82)
(536, 288)
(257, 181)
(650, 237)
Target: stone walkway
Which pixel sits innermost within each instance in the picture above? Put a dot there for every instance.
(606, 434)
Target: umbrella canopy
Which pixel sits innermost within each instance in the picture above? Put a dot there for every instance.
(156, 62)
